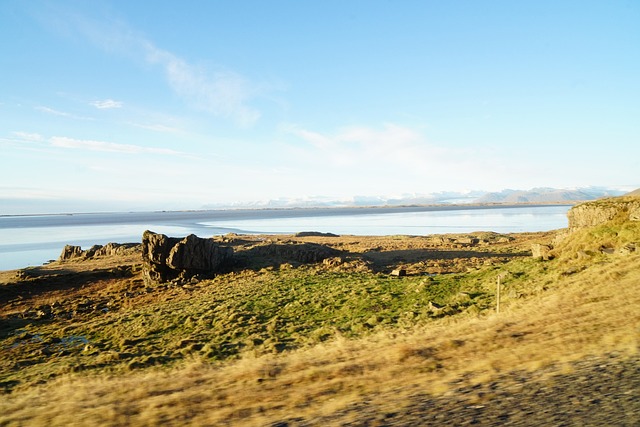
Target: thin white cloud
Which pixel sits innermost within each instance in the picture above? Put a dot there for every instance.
(27, 136)
(155, 127)
(52, 111)
(314, 138)
(385, 159)
(60, 113)
(224, 94)
(84, 144)
(106, 104)
(358, 144)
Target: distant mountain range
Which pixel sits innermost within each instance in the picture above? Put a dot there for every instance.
(548, 195)
(535, 195)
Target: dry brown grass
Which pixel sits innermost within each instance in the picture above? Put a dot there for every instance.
(590, 312)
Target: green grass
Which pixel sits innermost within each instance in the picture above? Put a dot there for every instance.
(279, 310)
(265, 312)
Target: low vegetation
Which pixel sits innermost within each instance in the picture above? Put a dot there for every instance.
(340, 343)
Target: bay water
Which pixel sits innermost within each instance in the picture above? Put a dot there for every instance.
(31, 240)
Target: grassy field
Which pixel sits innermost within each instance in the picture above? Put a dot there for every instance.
(302, 345)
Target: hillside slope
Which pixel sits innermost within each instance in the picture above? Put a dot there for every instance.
(634, 193)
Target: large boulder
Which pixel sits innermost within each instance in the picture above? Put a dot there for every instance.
(169, 258)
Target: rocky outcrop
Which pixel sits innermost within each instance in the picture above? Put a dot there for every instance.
(110, 249)
(292, 252)
(169, 258)
(113, 249)
(70, 252)
(601, 227)
(598, 212)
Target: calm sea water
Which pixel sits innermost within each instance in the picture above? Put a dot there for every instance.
(34, 240)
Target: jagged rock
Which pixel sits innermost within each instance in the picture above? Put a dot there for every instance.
(114, 249)
(305, 253)
(110, 249)
(169, 258)
(70, 252)
(194, 253)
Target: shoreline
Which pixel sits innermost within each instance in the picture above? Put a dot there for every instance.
(34, 240)
(135, 217)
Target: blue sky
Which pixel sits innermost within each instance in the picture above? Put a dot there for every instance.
(115, 105)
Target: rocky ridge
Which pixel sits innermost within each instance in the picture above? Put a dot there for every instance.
(70, 252)
(597, 212)
(596, 218)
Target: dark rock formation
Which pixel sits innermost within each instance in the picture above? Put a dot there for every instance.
(169, 258)
(110, 249)
(305, 253)
(113, 249)
(194, 253)
(70, 252)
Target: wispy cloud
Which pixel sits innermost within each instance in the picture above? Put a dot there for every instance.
(28, 136)
(155, 127)
(384, 156)
(85, 144)
(60, 113)
(224, 94)
(358, 144)
(106, 104)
